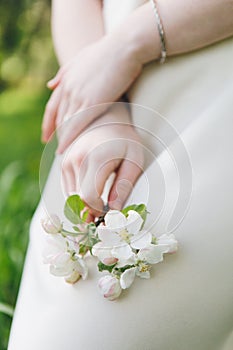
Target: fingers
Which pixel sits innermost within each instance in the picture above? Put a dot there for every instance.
(87, 176)
(61, 114)
(68, 178)
(93, 183)
(88, 173)
(49, 120)
(125, 179)
(78, 122)
(52, 108)
(55, 81)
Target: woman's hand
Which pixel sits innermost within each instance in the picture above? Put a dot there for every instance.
(99, 74)
(109, 145)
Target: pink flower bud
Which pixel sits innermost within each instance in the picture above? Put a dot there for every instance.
(52, 224)
(109, 287)
(110, 261)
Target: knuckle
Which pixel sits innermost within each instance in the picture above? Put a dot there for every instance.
(67, 165)
(67, 90)
(78, 160)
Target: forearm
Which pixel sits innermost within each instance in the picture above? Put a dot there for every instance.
(75, 24)
(188, 25)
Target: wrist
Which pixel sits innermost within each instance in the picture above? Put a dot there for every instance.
(123, 48)
(139, 36)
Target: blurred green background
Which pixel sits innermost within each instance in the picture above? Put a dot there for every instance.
(26, 62)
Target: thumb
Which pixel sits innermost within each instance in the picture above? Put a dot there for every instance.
(54, 82)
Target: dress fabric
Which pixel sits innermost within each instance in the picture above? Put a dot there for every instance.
(187, 303)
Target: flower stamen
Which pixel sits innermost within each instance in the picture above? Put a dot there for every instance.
(125, 235)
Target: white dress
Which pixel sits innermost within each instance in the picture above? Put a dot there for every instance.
(187, 304)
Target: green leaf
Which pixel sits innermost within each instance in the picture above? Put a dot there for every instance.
(85, 215)
(73, 207)
(83, 249)
(6, 309)
(103, 267)
(124, 268)
(76, 229)
(139, 208)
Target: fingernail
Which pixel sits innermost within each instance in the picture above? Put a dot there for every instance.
(51, 82)
(49, 85)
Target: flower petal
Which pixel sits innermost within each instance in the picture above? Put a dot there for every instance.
(152, 254)
(130, 261)
(52, 224)
(127, 278)
(102, 252)
(62, 270)
(62, 259)
(114, 219)
(170, 241)
(141, 240)
(81, 268)
(122, 252)
(134, 222)
(54, 245)
(108, 236)
(145, 274)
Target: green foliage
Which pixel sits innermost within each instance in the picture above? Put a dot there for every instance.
(19, 190)
(27, 61)
(73, 210)
(139, 208)
(24, 45)
(20, 199)
(6, 309)
(103, 267)
(91, 237)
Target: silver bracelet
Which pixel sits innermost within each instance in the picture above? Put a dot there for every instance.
(161, 32)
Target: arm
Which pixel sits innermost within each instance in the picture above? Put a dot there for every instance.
(75, 25)
(188, 25)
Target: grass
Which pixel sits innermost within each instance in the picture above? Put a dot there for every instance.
(20, 119)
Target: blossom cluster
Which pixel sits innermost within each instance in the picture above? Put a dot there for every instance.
(122, 247)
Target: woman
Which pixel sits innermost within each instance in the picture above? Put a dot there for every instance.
(187, 303)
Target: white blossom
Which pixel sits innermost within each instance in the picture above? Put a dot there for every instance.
(142, 270)
(120, 236)
(62, 260)
(124, 249)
